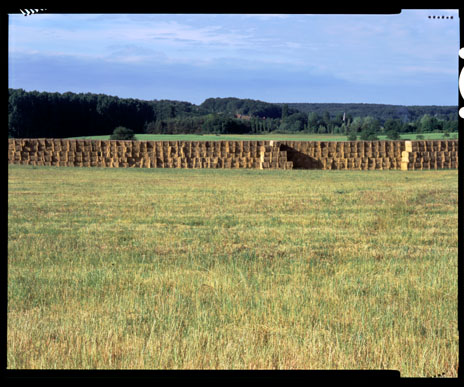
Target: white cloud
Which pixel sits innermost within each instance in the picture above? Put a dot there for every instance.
(369, 49)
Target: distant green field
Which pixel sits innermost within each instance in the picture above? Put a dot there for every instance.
(261, 137)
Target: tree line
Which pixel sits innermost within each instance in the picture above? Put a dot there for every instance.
(44, 114)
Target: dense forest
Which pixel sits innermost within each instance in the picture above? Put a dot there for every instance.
(44, 114)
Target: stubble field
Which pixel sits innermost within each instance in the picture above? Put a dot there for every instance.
(232, 269)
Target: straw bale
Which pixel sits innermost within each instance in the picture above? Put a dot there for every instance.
(149, 145)
(408, 146)
(406, 156)
(336, 164)
(341, 163)
(404, 165)
(426, 164)
(429, 146)
(49, 143)
(72, 145)
(417, 165)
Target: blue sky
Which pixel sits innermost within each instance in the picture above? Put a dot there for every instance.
(406, 59)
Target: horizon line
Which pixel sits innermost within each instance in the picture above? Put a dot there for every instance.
(240, 98)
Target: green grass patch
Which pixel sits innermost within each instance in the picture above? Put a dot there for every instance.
(232, 269)
(262, 137)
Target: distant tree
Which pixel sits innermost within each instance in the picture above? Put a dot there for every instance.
(392, 124)
(352, 135)
(296, 122)
(393, 134)
(371, 123)
(370, 128)
(356, 124)
(348, 118)
(344, 128)
(450, 126)
(284, 111)
(222, 124)
(322, 129)
(313, 121)
(368, 136)
(122, 133)
(410, 127)
(326, 119)
(392, 128)
(427, 123)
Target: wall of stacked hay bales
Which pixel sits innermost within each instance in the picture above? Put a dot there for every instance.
(404, 155)
(430, 155)
(345, 155)
(361, 155)
(147, 154)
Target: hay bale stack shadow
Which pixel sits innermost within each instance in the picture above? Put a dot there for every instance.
(301, 160)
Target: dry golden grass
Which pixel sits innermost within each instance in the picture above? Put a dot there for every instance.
(232, 269)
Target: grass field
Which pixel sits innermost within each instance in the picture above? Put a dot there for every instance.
(232, 269)
(262, 137)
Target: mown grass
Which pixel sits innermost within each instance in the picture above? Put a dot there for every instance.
(232, 269)
(263, 137)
